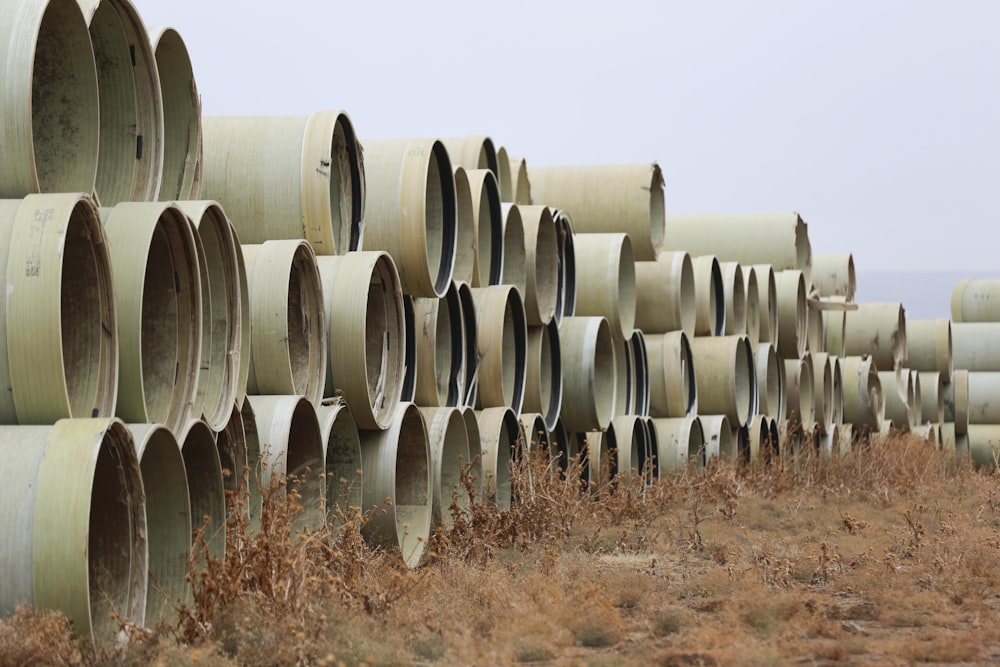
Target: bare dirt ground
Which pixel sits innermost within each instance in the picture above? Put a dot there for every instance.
(888, 556)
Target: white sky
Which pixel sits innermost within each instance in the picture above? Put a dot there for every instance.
(878, 120)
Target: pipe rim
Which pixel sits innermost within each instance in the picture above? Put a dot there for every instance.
(469, 337)
(466, 244)
(181, 116)
(342, 465)
(515, 268)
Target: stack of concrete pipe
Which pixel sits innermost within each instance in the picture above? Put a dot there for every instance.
(240, 303)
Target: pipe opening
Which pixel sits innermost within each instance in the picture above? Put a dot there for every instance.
(469, 337)
(546, 270)
(64, 102)
(465, 243)
(449, 349)
(454, 457)
(491, 233)
(514, 261)
(640, 372)
(346, 186)
(440, 214)
(409, 350)
(254, 475)
(411, 474)
(717, 301)
(604, 385)
(514, 312)
(696, 443)
(159, 333)
(507, 444)
(304, 454)
(206, 489)
(304, 327)
(566, 304)
(689, 385)
(232, 446)
(343, 463)
(181, 117)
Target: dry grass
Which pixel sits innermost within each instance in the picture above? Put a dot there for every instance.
(887, 556)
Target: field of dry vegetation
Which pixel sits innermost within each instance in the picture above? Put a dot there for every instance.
(887, 556)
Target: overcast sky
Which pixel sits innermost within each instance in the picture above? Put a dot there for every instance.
(878, 120)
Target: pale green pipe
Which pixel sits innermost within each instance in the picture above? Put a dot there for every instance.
(515, 254)
(502, 341)
(74, 507)
(902, 405)
(222, 323)
(206, 488)
(448, 440)
(758, 437)
(255, 500)
(830, 439)
(877, 329)
(956, 401)
(639, 373)
(816, 329)
(719, 442)
(488, 228)
(410, 211)
(58, 355)
(288, 353)
(929, 432)
(472, 152)
(543, 387)
(49, 109)
(633, 446)
(231, 442)
(541, 244)
(984, 397)
(735, 298)
(466, 237)
(929, 347)
(243, 372)
(932, 397)
(601, 466)
(793, 322)
(182, 149)
(837, 410)
(472, 432)
(752, 306)
(834, 275)
(864, 403)
(366, 333)
(710, 307)
(767, 302)
(500, 437)
(341, 460)
(291, 177)
(589, 363)
(673, 385)
(833, 329)
(976, 346)
(624, 385)
(168, 521)
(608, 199)
(723, 367)
(779, 239)
(504, 177)
(822, 375)
(770, 373)
(397, 483)
(947, 436)
(158, 295)
(800, 401)
(607, 287)
(681, 443)
(976, 300)
(440, 347)
(665, 294)
(520, 182)
(566, 301)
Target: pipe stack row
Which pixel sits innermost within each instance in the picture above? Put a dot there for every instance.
(224, 304)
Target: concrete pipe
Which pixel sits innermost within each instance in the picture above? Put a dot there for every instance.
(75, 537)
(470, 335)
(878, 329)
(566, 299)
(473, 152)
(543, 385)
(181, 117)
(502, 344)
(984, 398)
(928, 344)
(767, 302)
(409, 351)
(243, 369)
(902, 404)
(500, 438)
(734, 296)
(206, 488)
(607, 287)
(254, 497)
(816, 337)
(504, 177)
(673, 385)
(441, 350)
(932, 397)
(779, 239)
(681, 443)
(231, 442)
(608, 198)
(864, 402)
(633, 447)
(976, 346)
(466, 250)
(600, 466)
(158, 293)
(976, 300)
(288, 352)
(833, 328)
(130, 162)
(520, 182)
(50, 102)
(168, 521)
(589, 363)
(448, 440)
(758, 438)
(793, 315)
(724, 370)
(59, 333)
(398, 482)
(665, 294)
(719, 440)
(800, 399)
(295, 178)
(222, 323)
(290, 446)
(488, 227)
(822, 374)
(411, 212)
(752, 306)
(639, 373)
(833, 275)
(515, 271)
(541, 244)
(956, 401)
(984, 445)
(770, 373)
(341, 460)
(710, 306)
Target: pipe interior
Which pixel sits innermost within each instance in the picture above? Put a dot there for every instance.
(465, 242)
(470, 341)
(506, 448)
(440, 218)
(514, 263)
(717, 301)
(568, 261)
(605, 372)
(64, 101)
(232, 446)
(253, 476)
(491, 233)
(304, 457)
(547, 270)
(161, 320)
(696, 443)
(217, 301)
(82, 313)
(657, 216)
(411, 476)
(342, 187)
(181, 117)
(206, 490)
(343, 463)
(454, 457)
(410, 350)
(626, 287)
(548, 359)
(640, 373)
(689, 383)
(623, 379)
